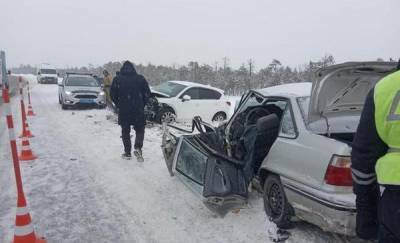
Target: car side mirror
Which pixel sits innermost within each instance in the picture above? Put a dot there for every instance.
(186, 98)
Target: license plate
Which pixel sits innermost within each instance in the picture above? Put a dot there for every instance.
(86, 101)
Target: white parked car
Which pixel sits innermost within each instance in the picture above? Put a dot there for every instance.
(47, 75)
(182, 100)
(292, 142)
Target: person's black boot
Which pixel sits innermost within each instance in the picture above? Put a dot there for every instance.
(138, 154)
(127, 156)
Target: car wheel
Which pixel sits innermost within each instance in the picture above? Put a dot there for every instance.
(219, 117)
(166, 115)
(276, 205)
(59, 100)
(64, 107)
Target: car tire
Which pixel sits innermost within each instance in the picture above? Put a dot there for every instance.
(166, 114)
(276, 205)
(64, 107)
(59, 100)
(219, 116)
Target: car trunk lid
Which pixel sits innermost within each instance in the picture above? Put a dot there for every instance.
(340, 90)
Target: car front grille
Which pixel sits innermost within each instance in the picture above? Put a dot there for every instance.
(48, 79)
(86, 96)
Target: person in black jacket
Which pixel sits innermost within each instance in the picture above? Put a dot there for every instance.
(375, 181)
(367, 149)
(130, 92)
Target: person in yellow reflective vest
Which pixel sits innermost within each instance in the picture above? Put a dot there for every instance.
(107, 85)
(376, 163)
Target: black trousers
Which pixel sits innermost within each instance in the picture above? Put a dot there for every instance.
(389, 217)
(126, 137)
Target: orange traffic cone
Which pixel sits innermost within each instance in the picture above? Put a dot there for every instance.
(26, 151)
(25, 131)
(30, 111)
(24, 232)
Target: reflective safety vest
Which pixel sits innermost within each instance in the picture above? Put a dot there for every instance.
(387, 120)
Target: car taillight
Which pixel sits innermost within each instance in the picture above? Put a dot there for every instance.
(228, 103)
(339, 171)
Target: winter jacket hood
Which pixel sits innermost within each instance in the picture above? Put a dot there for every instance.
(128, 68)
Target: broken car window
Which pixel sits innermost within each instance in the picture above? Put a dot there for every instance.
(287, 125)
(191, 162)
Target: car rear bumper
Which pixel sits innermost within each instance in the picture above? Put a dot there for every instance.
(328, 214)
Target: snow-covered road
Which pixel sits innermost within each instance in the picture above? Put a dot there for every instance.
(80, 190)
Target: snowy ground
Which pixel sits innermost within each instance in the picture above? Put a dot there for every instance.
(80, 190)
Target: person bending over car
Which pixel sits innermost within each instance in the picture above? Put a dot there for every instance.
(130, 92)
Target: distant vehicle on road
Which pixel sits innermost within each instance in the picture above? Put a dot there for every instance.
(182, 100)
(47, 75)
(80, 90)
(292, 142)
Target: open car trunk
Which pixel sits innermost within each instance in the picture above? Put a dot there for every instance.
(339, 93)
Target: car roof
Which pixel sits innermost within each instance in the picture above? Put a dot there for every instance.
(294, 90)
(192, 84)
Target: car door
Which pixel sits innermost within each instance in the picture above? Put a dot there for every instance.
(219, 182)
(187, 109)
(209, 103)
(61, 88)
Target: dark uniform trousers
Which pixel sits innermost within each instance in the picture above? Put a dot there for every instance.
(126, 137)
(389, 215)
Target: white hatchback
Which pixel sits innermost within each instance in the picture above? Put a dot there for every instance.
(183, 100)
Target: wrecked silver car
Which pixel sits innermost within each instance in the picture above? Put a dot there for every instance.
(291, 142)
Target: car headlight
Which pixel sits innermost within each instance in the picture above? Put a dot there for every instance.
(68, 92)
(101, 93)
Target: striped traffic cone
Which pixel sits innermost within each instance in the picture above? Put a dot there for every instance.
(26, 151)
(30, 111)
(27, 132)
(25, 127)
(24, 232)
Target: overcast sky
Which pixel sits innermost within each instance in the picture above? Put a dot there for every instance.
(79, 32)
